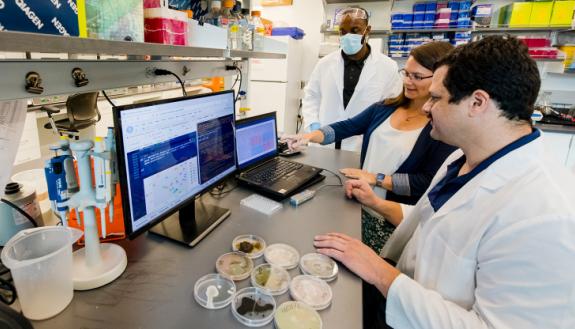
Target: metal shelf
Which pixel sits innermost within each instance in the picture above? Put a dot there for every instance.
(466, 29)
(329, 2)
(42, 43)
(373, 32)
(520, 29)
(131, 70)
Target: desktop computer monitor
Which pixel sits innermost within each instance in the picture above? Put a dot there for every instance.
(169, 152)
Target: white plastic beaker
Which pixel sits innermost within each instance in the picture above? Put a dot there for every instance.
(40, 260)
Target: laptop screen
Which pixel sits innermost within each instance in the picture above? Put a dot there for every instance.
(256, 139)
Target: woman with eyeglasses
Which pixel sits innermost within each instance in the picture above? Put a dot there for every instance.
(398, 156)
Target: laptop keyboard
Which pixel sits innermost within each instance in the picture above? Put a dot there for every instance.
(272, 171)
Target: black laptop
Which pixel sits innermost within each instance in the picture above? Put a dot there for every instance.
(259, 165)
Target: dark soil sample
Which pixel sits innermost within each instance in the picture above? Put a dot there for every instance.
(251, 308)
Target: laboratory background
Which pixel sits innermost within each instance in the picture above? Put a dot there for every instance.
(133, 133)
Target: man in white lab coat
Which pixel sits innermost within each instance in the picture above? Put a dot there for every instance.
(347, 81)
(491, 243)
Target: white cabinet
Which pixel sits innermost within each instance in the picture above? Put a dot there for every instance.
(557, 146)
(571, 156)
(275, 85)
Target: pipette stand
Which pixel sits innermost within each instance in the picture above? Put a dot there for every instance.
(97, 263)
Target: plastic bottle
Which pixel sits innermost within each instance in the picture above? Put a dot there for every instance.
(259, 30)
(236, 28)
(213, 16)
(247, 30)
(229, 22)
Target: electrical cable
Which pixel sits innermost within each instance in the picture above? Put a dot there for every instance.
(330, 185)
(336, 175)
(168, 72)
(108, 98)
(241, 81)
(22, 212)
(221, 190)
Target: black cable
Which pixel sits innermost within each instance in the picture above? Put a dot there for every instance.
(22, 212)
(220, 190)
(168, 72)
(108, 98)
(240, 88)
(336, 175)
(326, 185)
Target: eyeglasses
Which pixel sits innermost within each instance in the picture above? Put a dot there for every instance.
(413, 76)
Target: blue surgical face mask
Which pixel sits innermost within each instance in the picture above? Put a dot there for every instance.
(351, 43)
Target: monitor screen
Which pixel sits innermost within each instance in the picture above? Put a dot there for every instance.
(256, 138)
(169, 151)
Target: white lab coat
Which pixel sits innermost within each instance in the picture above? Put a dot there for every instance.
(323, 100)
(499, 254)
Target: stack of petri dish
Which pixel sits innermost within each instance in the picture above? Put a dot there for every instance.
(271, 278)
(214, 291)
(253, 307)
(283, 255)
(297, 315)
(235, 265)
(251, 245)
(318, 265)
(312, 291)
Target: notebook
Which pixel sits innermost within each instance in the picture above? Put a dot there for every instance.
(260, 167)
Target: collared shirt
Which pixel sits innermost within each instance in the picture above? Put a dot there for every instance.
(351, 73)
(451, 183)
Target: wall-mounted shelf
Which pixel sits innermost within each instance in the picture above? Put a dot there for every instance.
(373, 32)
(329, 2)
(32, 42)
(188, 62)
(466, 29)
(494, 30)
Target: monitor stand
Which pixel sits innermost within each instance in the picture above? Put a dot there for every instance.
(191, 223)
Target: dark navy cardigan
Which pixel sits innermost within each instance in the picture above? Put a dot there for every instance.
(421, 164)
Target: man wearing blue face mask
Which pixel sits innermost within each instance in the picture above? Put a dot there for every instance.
(347, 81)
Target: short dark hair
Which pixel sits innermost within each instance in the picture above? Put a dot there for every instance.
(499, 65)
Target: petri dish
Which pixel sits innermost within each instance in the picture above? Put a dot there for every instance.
(318, 265)
(312, 291)
(214, 291)
(271, 278)
(251, 245)
(297, 315)
(253, 307)
(234, 265)
(282, 255)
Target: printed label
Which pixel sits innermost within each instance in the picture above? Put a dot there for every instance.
(2, 5)
(56, 3)
(30, 14)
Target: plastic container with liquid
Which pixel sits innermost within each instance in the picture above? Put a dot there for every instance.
(40, 260)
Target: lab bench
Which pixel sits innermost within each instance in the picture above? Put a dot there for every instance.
(157, 288)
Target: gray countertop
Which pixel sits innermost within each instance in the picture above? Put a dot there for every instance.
(555, 128)
(156, 290)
